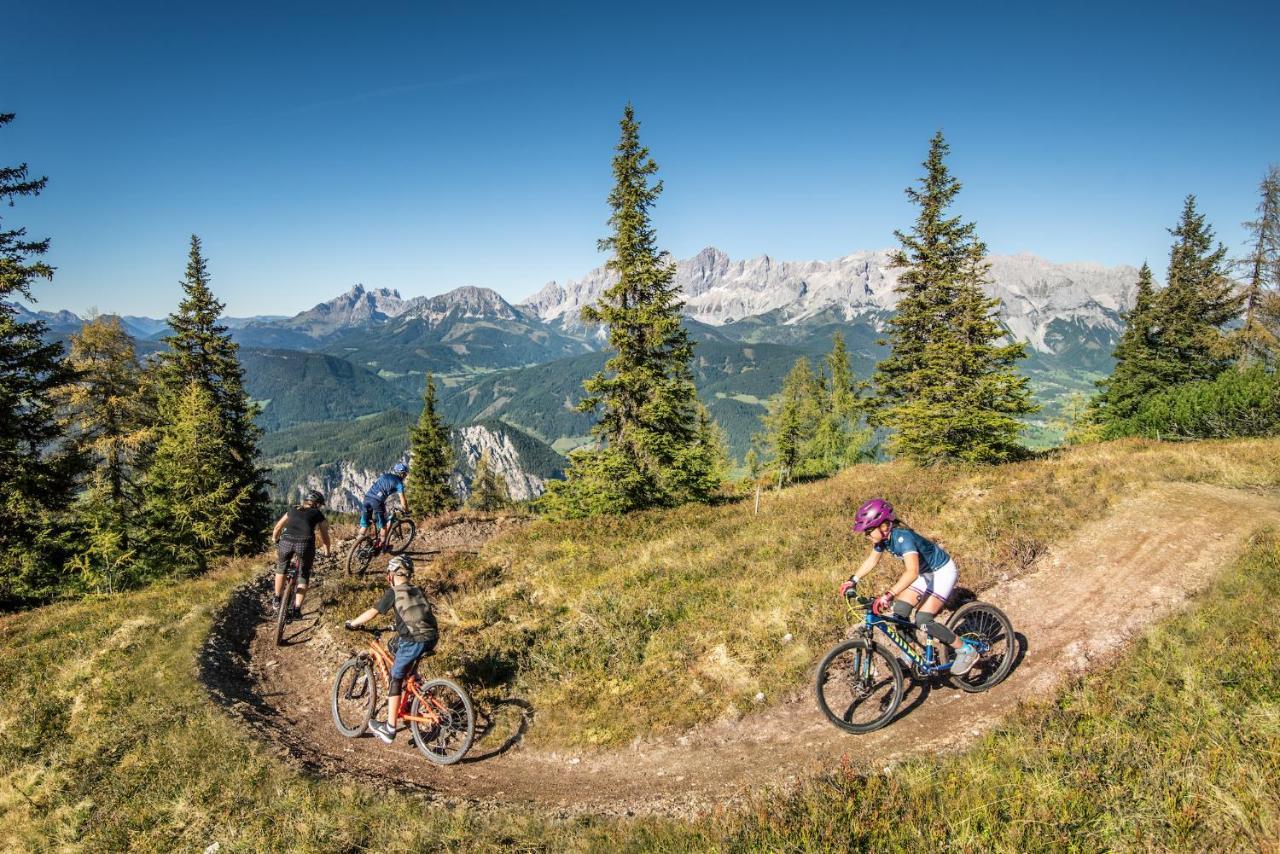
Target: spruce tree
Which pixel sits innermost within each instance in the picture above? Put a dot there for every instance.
(489, 489)
(37, 470)
(201, 352)
(948, 390)
(792, 420)
(1195, 306)
(1259, 335)
(1134, 376)
(428, 489)
(112, 417)
(648, 451)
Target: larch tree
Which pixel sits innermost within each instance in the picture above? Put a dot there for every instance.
(949, 389)
(648, 451)
(1259, 334)
(111, 413)
(489, 489)
(201, 352)
(429, 488)
(37, 470)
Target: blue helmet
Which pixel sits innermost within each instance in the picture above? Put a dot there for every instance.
(400, 469)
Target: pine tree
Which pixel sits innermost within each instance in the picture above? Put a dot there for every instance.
(845, 392)
(112, 417)
(428, 489)
(648, 451)
(1259, 335)
(489, 489)
(1134, 377)
(194, 500)
(37, 471)
(1195, 306)
(200, 351)
(948, 390)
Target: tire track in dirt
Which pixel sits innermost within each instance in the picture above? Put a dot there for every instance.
(1078, 605)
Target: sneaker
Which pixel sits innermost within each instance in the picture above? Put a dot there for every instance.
(275, 604)
(295, 613)
(383, 731)
(966, 657)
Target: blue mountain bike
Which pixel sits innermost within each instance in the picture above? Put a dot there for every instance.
(860, 681)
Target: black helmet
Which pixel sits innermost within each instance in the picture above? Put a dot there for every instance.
(400, 566)
(314, 497)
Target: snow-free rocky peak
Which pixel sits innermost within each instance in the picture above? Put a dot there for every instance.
(465, 302)
(357, 307)
(718, 290)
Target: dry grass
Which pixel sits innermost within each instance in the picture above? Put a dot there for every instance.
(615, 628)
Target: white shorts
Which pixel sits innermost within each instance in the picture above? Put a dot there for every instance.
(938, 582)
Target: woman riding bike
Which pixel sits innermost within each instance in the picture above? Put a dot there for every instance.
(295, 536)
(925, 583)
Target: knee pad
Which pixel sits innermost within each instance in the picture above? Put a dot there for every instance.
(934, 629)
(395, 687)
(901, 609)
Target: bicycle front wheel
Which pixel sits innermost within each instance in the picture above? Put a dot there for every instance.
(449, 723)
(978, 621)
(355, 690)
(361, 555)
(400, 534)
(859, 686)
(282, 612)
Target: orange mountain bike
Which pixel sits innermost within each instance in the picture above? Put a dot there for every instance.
(438, 711)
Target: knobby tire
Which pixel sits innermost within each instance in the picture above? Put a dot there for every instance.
(978, 620)
(449, 741)
(282, 612)
(844, 689)
(355, 691)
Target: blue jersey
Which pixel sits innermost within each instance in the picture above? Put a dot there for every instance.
(903, 541)
(383, 488)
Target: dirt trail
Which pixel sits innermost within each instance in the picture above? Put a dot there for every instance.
(1080, 602)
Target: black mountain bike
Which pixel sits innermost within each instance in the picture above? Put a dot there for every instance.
(286, 598)
(396, 537)
(860, 681)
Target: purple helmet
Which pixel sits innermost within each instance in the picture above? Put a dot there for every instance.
(871, 514)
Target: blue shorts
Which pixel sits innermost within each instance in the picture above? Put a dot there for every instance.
(407, 654)
(373, 512)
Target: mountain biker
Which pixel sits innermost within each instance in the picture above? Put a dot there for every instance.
(416, 634)
(375, 500)
(295, 536)
(925, 583)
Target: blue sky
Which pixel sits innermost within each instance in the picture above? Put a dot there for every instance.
(431, 145)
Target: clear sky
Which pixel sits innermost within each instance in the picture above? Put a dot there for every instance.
(423, 146)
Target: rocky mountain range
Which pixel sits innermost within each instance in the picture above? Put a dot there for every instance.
(720, 292)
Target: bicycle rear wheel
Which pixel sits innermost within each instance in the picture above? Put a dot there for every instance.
(400, 534)
(988, 624)
(859, 686)
(286, 602)
(355, 691)
(446, 738)
(361, 555)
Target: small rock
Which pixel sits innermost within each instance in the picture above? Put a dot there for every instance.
(213, 848)
(759, 698)
(787, 638)
(574, 761)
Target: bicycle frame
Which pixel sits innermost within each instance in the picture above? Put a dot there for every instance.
(383, 661)
(890, 626)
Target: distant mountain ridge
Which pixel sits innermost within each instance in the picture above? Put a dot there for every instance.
(720, 292)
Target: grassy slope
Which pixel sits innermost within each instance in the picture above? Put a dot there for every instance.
(623, 627)
(109, 743)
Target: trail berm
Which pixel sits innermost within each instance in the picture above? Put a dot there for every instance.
(1077, 606)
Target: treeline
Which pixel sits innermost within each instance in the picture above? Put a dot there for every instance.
(1198, 357)
(114, 472)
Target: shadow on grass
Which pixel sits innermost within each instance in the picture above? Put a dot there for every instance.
(503, 724)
